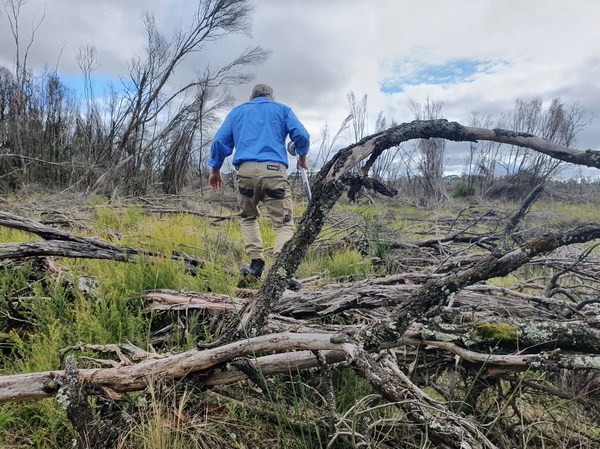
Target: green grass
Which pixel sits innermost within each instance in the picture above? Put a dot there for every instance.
(8, 235)
(55, 314)
(348, 262)
(118, 219)
(349, 389)
(59, 315)
(40, 425)
(565, 213)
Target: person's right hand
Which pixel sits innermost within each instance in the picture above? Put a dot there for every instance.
(302, 162)
(215, 181)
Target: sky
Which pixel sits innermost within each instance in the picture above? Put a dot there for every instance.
(471, 55)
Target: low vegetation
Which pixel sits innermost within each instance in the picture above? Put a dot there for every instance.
(50, 314)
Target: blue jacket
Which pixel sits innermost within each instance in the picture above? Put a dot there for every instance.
(258, 129)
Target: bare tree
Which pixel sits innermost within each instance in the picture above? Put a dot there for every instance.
(38, 114)
(212, 100)
(431, 164)
(7, 88)
(388, 165)
(87, 59)
(358, 111)
(186, 136)
(555, 122)
(58, 110)
(91, 133)
(23, 77)
(482, 162)
(149, 98)
(328, 142)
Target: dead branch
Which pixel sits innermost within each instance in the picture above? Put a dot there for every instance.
(448, 429)
(20, 387)
(166, 210)
(72, 395)
(173, 300)
(525, 206)
(63, 244)
(433, 294)
(330, 183)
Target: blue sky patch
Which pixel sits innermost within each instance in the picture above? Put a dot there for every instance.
(414, 73)
(100, 83)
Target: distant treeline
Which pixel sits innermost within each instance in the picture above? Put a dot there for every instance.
(150, 133)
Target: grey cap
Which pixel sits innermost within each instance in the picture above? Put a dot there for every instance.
(262, 90)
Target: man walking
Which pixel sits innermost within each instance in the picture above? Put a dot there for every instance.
(257, 130)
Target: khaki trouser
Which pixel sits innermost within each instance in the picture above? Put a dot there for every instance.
(268, 183)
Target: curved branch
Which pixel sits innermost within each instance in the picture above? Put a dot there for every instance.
(329, 185)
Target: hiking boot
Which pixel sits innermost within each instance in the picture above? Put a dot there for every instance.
(255, 268)
(294, 284)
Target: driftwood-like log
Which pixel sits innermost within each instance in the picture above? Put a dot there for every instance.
(508, 324)
(296, 352)
(58, 243)
(21, 387)
(371, 299)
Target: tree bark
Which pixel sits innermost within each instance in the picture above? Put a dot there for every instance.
(21, 387)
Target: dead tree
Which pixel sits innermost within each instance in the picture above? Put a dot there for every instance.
(431, 163)
(557, 123)
(140, 137)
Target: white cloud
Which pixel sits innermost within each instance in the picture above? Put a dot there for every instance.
(323, 49)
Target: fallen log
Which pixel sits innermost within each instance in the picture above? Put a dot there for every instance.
(63, 244)
(295, 352)
(20, 387)
(476, 321)
(364, 297)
